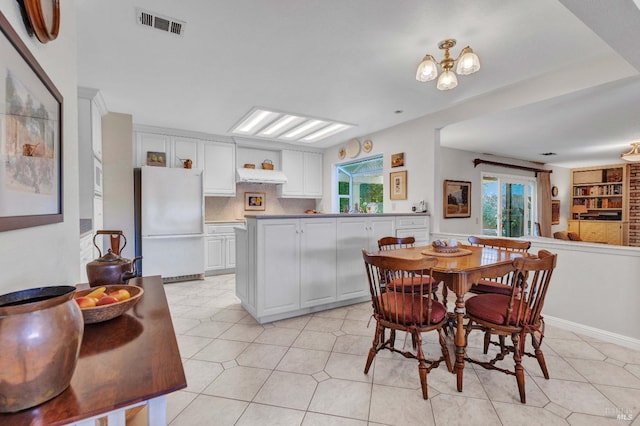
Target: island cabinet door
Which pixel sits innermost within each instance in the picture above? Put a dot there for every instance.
(353, 236)
(278, 266)
(317, 261)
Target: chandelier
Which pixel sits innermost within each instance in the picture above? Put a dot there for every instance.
(468, 63)
(633, 155)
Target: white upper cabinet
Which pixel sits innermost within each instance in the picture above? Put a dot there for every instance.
(304, 174)
(219, 164)
(152, 142)
(185, 149)
(217, 159)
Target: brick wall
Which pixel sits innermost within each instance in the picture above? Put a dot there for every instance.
(634, 204)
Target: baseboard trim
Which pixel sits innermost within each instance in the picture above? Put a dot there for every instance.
(586, 330)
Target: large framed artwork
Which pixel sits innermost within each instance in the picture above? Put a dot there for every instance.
(30, 138)
(457, 199)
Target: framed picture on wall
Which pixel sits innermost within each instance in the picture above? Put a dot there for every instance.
(555, 212)
(30, 138)
(457, 199)
(254, 201)
(397, 160)
(398, 185)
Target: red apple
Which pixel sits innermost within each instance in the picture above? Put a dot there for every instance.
(106, 300)
(121, 294)
(85, 302)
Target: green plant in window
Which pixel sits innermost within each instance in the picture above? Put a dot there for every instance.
(343, 188)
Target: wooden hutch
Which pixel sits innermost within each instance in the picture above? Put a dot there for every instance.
(604, 192)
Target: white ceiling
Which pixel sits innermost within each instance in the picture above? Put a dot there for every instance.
(557, 76)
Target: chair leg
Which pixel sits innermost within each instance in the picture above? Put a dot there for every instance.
(379, 333)
(502, 343)
(445, 351)
(540, 357)
(517, 357)
(422, 370)
(445, 292)
(422, 367)
(487, 340)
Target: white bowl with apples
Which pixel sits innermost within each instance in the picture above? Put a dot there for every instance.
(106, 302)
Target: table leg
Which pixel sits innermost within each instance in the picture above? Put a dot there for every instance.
(460, 339)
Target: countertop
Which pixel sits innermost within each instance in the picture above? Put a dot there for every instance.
(304, 215)
(211, 222)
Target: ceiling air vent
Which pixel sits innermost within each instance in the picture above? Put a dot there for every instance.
(160, 22)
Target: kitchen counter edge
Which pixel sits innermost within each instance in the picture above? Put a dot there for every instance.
(325, 215)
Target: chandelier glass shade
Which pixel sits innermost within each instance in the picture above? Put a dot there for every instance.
(467, 63)
(633, 155)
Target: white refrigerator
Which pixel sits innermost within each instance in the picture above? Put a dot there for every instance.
(170, 222)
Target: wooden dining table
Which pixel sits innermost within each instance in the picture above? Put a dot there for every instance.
(459, 271)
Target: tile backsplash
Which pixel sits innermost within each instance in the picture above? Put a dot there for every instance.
(231, 208)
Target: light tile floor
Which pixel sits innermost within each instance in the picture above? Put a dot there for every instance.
(309, 371)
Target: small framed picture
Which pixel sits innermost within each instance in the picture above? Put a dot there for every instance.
(398, 185)
(397, 160)
(158, 159)
(555, 212)
(457, 199)
(254, 201)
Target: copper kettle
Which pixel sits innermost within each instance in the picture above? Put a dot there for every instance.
(111, 268)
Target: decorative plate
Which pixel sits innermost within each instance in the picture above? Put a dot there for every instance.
(353, 148)
(367, 145)
(554, 191)
(341, 153)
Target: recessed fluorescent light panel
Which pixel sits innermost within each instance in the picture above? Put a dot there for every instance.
(286, 127)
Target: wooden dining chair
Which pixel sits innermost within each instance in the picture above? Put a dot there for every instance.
(499, 285)
(391, 243)
(413, 312)
(496, 285)
(515, 315)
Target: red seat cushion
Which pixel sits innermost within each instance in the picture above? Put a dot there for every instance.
(492, 308)
(412, 284)
(405, 308)
(491, 287)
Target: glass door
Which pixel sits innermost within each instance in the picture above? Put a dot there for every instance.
(508, 205)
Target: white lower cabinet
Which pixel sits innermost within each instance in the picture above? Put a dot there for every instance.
(416, 227)
(296, 263)
(317, 261)
(355, 234)
(220, 247)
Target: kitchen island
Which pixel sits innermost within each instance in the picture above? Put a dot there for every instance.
(290, 265)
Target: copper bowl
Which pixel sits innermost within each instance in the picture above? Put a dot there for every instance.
(107, 312)
(41, 332)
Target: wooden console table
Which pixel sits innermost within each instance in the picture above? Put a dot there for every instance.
(129, 361)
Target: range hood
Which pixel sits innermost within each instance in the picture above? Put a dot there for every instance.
(260, 176)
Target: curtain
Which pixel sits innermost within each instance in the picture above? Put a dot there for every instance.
(544, 203)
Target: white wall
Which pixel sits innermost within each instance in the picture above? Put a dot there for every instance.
(117, 168)
(415, 139)
(49, 255)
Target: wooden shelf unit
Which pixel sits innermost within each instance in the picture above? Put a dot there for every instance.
(604, 190)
